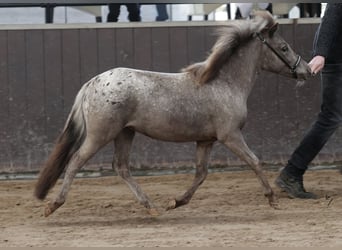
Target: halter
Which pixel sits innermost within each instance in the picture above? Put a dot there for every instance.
(280, 56)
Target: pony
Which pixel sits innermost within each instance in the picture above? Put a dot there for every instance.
(205, 103)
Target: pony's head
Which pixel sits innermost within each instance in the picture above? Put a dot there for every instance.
(278, 57)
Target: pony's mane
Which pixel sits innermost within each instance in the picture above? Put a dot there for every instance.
(230, 37)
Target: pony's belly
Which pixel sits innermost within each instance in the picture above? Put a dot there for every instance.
(177, 134)
(173, 122)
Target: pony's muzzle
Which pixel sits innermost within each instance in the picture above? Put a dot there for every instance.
(303, 71)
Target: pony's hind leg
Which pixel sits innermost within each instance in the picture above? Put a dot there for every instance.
(123, 143)
(202, 158)
(86, 151)
(236, 143)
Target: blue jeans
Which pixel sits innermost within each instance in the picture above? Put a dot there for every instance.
(162, 12)
(328, 119)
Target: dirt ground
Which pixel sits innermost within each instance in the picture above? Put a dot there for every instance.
(228, 210)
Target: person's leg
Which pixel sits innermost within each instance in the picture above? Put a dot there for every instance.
(228, 11)
(318, 10)
(302, 7)
(133, 12)
(238, 13)
(270, 8)
(326, 124)
(162, 12)
(114, 12)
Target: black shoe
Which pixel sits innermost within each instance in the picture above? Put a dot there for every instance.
(293, 187)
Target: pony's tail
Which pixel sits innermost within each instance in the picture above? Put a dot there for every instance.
(69, 141)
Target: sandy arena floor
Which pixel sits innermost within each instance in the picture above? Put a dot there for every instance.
(228, 210)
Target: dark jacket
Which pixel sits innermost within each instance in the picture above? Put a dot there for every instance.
(328, 39)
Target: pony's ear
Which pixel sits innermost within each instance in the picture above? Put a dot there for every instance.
(273, 29)
(253, 14)
(270, 30)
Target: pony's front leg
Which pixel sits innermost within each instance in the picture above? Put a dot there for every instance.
(123, 143)
(202, 158)
(236, 143)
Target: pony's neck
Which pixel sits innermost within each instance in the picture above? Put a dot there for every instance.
(243, 67)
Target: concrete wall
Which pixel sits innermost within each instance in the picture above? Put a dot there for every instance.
(43, 67)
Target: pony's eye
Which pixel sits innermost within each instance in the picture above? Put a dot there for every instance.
(284, 48)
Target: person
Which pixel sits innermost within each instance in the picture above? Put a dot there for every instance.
(327, 59)
(132, 8)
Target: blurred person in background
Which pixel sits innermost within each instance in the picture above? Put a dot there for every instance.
(132, 8)
(310, 9)
(243, 10)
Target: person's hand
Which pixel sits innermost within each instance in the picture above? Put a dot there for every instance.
(316, 64)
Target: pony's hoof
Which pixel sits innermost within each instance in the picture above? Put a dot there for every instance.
(153, 212)
(172, 205)
(274, 203)
(48, 209)
(51, 207)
